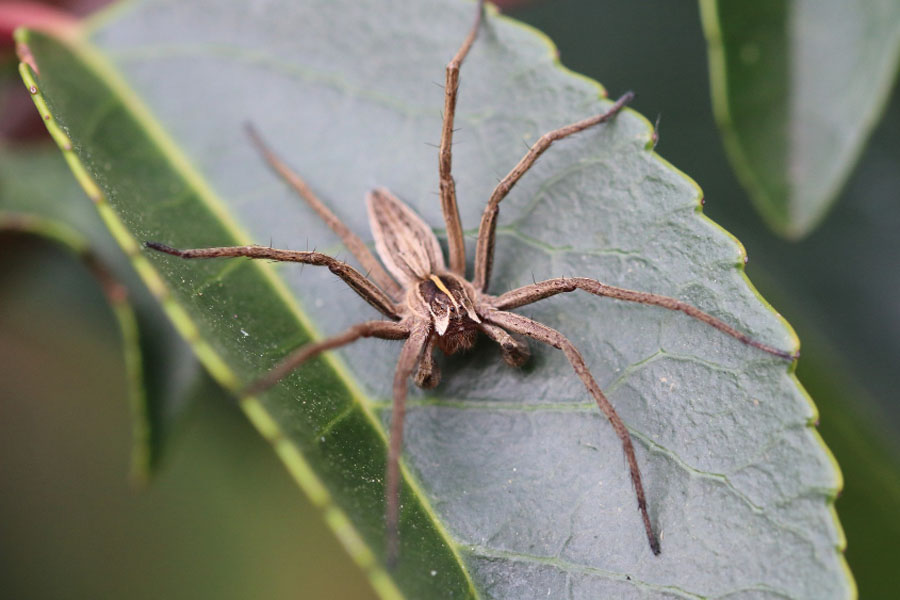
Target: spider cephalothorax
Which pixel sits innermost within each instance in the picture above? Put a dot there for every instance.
(407, 246)
(447, 300)
(430, 304)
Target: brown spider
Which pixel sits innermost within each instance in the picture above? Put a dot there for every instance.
(430, 305)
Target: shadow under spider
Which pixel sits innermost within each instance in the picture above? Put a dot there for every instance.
(432, 305)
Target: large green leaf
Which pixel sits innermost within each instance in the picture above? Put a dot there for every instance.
(515, 485)
(38, 197)
(797, 86)
(860, 331)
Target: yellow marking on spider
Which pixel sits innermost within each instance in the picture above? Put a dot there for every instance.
(440, 284)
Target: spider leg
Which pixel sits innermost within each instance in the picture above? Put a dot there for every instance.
(409, 356)
(484, 250)
(455, 240)
(352, 241)
(362, 286)
(515, 352)
(548, 335)
(428, 373)
(386, 330)
(544, 289)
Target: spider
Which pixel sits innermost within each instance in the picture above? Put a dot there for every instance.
(430, 305)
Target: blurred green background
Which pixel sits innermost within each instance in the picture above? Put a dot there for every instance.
(223, 519)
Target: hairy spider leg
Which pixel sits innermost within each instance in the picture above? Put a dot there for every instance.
(409, 356)
(353, 242)
(455, 241)
(367, 290)
(484, 250)
(385, 330)
(544, 289)
(548, 335)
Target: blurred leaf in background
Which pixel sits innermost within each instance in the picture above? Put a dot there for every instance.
(37, 198)
(797, 86)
